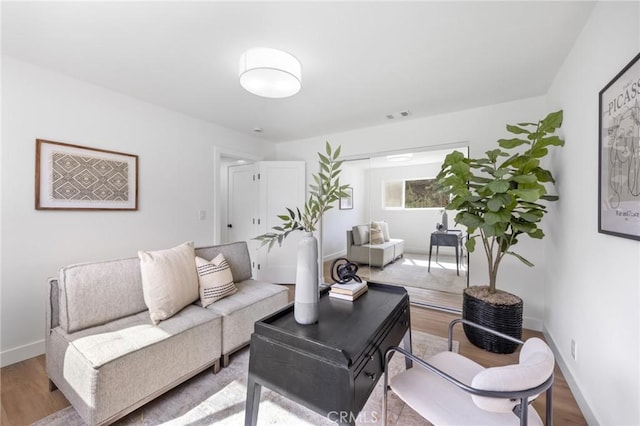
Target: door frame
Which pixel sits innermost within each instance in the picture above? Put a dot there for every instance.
(218, 153)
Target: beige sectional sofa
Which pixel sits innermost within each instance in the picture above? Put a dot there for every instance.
(361, 249)
(106, 355)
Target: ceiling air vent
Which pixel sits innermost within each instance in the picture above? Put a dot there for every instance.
(404, 113)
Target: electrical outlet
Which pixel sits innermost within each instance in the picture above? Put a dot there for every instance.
(202, 214)
(574, 349)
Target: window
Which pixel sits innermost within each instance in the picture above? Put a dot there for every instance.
(393, 195)
(413, 194)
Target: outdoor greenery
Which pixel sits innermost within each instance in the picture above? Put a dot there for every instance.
(499, 195)
(323, 193)
(423, 193)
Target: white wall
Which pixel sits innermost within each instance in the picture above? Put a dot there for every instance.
(481, 128)
(176, 180)
(593, 280)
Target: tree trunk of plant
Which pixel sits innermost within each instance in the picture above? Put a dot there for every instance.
(493, 275)
(492, 264)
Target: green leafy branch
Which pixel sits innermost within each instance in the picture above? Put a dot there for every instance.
(323, 193)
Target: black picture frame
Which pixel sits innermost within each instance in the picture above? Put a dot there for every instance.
(619, 154)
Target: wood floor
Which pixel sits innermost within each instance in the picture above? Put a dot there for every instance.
(26, 398)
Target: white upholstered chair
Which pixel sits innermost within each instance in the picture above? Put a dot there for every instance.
(450, 389)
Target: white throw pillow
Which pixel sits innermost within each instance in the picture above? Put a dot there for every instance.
(216, 280)
(169, 280)
(536, 365)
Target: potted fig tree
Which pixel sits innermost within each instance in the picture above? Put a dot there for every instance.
(500, 198)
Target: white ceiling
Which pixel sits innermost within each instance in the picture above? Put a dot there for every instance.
(361, 60)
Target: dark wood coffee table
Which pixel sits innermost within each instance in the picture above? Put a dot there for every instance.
(330, 367)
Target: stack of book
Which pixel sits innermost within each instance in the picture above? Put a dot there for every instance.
(349, 291)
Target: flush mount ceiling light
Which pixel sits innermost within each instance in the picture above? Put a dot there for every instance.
(399, 157)
(270, 73)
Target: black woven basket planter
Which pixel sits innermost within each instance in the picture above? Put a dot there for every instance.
(505, 318)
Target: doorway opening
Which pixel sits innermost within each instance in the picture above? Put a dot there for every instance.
(411, 215)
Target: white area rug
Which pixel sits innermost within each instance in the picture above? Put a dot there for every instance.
(209, 399)
(411, 270)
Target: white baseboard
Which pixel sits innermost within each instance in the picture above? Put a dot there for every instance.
(575, 390)
(21, 353)
(333, 256)
(532, 323)
(418, 250)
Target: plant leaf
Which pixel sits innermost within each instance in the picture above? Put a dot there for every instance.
(551, 140)
(336, 154)
(529, 195)
(551, 122)
(516, 129)
(470, 244)
(524, 178)
(511, 143)
(530, 216)
(498, 186)
(522, 259)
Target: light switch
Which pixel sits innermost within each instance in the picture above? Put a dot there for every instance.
(203, 214)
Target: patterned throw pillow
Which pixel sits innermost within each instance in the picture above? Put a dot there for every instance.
(376, 234)
(216, 280)
(385, 229)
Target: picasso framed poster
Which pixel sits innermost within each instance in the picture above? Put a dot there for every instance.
(619, 154)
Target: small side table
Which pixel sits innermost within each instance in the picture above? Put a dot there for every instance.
(446, 239)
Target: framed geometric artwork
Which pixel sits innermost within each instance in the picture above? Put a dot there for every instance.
(73, 177)
(619, 154)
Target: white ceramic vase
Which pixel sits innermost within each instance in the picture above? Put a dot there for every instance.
(445, 220)
(305, 309)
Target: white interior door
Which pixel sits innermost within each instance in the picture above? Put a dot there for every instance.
(282, 184)
(257, 194)
(242, 208)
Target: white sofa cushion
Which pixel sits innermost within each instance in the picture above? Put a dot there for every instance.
(99, 292)
(360, 234)
(169, 280)
(105, 369)
(253, 301)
